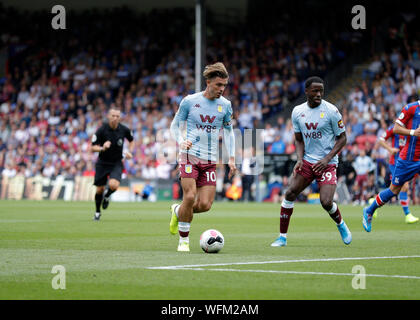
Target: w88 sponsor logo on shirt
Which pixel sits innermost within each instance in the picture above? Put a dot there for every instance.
(313, 135)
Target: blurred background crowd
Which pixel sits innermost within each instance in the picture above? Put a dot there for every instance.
(57, 89)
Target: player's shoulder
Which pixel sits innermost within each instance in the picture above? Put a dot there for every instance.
(412, 105)
(192, 97)
(124, 127)
(224, 101)
(102, 128)
(299, 109)
(329, 106)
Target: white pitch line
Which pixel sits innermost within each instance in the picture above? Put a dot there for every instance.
(278, 261)
(303, 272)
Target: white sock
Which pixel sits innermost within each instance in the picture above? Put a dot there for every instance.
(182, 239)
(287, 204)
(97, 214)
(333, 209)
(283, 235)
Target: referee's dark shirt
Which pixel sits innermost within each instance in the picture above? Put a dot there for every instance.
(114, 153)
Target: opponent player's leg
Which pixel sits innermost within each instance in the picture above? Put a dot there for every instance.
(404, 171)
(326, 195)
(380, 199)
(297, 184)
(205, 198)
(185, 212)
(404, 202)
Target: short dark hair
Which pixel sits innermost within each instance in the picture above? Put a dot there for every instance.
(311, 80)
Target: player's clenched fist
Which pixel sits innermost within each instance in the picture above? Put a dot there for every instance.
(106, 145)
(298, 167)
(417, 132)
(186, 145)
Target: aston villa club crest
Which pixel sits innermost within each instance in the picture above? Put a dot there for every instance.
(219, 108)
(188, 168)
(322, 115)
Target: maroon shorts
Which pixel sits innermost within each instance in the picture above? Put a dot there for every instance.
(203, 171)
(361, 180)
(328, 176)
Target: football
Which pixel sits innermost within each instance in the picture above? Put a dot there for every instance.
(212, 241)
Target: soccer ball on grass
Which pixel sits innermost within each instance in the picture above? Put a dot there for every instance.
(212, 241)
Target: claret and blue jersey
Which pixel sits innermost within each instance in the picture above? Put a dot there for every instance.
(319, 127)
(204, 118)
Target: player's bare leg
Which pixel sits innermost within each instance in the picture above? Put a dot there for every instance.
(297, 185)
(326, 194)
(185, 212)
(113, 185)
(205, 198)
(98, 200)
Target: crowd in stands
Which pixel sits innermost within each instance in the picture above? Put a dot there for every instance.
(58, 87)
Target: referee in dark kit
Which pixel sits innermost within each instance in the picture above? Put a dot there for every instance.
(108, 141)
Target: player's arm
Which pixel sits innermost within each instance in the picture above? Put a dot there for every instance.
(299, 143)
(97, 142)
(341, 140)
(229, 138)
(180, 117)
(340, 143)
(300, 150)
(385, 145)
(404, 118)
(398, 129)
(129, 136)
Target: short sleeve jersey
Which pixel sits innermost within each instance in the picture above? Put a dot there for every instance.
(319, 127)
(117, 136)
(410, 119)
(204, 118)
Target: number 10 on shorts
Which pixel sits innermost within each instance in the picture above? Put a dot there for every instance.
(211, 176)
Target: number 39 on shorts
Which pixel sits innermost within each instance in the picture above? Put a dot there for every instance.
(326, 175)
(211, 176)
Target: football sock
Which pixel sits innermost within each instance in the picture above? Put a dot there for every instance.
(109, 192)
(184, 229)
(335, 214)
(285, 213)
(404, 202)
(98, 200)
(380, 199)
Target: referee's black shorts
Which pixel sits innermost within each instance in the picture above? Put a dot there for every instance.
(103, 171)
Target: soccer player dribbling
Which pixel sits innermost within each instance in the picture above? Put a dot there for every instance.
(320, 135)
(205, 114)
(108, 141)
(397, 144)
(407, 164)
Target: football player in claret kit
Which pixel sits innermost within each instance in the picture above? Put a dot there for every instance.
(407, 164)
(397, 144)
(205, 114)
(320, 135)
(108, 141)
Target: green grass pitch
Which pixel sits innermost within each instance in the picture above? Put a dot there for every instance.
(114, 258)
